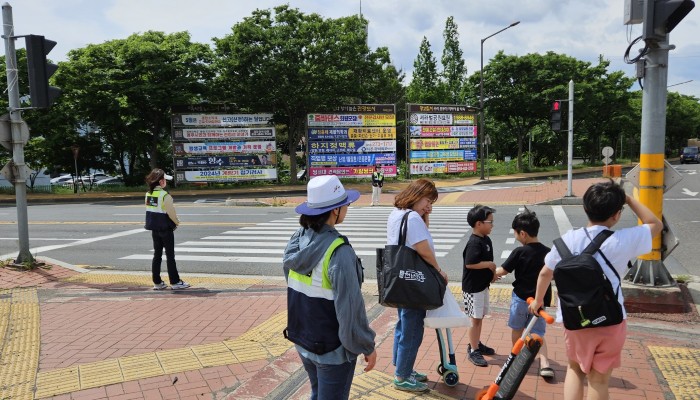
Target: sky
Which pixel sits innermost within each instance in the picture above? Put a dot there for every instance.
(584, 29)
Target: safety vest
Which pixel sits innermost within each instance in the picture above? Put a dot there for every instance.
(157, 218)
(311, 319)
(377, 177)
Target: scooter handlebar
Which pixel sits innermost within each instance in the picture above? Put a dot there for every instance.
(547, 318)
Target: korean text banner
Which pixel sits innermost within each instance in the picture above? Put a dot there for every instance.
(351, 133)
(443, 155)
(223, 133)
(357, 172)
(210, 148)
(351, 120)
(443, 144)
(227, 175)
(443, 131)
(351, 147)
(221, 119)
(224, 161)
(352, 159)
(443, 167)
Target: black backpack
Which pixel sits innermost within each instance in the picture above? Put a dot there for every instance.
(586, 296)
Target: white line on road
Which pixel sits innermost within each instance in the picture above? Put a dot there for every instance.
(562, 220)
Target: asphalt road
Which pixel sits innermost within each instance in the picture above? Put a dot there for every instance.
(216, 238)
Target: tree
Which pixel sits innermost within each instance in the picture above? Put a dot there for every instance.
(425, 87)
(291, 63)
(124, 88)
(454, 72)
(682, 121)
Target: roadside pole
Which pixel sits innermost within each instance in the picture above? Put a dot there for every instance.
(19, 169)
(569, 173)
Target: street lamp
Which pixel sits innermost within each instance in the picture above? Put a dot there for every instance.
(481, 95)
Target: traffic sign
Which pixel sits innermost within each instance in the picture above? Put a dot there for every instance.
(608, 151)
(6, 131)
(671, 176)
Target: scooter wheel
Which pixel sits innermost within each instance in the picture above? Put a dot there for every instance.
(451, 378)
(440, 369)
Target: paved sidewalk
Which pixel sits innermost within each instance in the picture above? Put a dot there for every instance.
(69, 334)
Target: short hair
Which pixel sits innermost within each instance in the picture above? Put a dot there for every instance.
(414, 192)
(526, 221)
(479, 213)
(602, 200)
(314, 222)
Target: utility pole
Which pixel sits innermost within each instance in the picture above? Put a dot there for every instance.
(569, 169)
(17, 167)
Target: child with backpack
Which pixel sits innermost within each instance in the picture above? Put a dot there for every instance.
(592, 309)
(526, 262)
(477, 275)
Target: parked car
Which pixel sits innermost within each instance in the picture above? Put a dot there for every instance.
(112, 180)
(62, 180)
(690, 154)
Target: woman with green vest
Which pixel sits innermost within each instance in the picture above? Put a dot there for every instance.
(326, 317)
(161, 220)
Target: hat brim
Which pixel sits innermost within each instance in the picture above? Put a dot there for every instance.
(168, 177)
(304, 208)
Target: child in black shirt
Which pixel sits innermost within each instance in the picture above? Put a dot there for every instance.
(527, 261)
(477, 275)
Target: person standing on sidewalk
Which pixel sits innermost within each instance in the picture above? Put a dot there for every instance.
(417, 200)
(326, 317)
(593, 353)
(161, 220)
(377, 183)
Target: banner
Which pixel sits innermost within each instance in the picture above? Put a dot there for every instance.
(442, 131)
(351, 133)
(443, 167)
(439, 144)
(221, 119)
(352, 159)
(225, 161)
(223, 133)
(335, 120)
(356, 172)
(226, 175)
(265, 146)
(430, 119)
(464, 119)
(351, 147)
(443, 155)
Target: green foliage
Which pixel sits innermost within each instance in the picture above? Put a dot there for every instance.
(454, 71)
(425, 87)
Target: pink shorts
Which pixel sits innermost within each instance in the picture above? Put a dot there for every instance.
(596, 348)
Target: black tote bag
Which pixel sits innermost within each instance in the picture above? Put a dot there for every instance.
(405, 280)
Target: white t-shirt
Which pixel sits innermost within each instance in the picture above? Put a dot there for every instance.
(417, 231)
(622, 246)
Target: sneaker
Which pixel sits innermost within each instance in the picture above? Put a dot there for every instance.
(486, 350)
(476, 358)
(160, 286)
(410, 385)
(419, 377)
(180, 285)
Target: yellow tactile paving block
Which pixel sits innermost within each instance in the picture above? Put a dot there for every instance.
(246, 351)
(51, 383)
(145, 281)
(680, 367)
(375, 385)
(178, 360)
(450, 198)
(100, 373)
(140, 366)
(214, 355)
(19, 343)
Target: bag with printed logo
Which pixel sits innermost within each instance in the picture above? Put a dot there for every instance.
(404, 279)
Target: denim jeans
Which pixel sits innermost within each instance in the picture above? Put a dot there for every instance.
(164, 240)
(329, 381)
(408, 337)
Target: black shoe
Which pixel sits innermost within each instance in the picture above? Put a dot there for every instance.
(476, 358)
(486, 350)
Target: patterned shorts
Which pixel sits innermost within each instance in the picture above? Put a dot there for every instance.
(476, 305)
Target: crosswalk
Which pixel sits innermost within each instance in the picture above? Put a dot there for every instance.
(265, 242)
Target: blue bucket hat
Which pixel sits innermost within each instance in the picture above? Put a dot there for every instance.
(325, 193)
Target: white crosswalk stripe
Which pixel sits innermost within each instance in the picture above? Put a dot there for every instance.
(265, 242)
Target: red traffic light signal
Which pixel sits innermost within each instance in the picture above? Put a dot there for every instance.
(555, 119)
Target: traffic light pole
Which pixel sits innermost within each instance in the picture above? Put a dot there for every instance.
(649, 268)
(18, 166)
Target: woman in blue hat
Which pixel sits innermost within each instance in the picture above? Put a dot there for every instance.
(326, 318)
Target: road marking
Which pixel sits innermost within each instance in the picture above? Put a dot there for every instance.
(679, 366)
(689, 193)
(505, 254)
(561, 219)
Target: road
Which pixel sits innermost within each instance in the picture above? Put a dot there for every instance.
(215, 238)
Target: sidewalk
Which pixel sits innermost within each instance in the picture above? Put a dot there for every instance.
(69, 333)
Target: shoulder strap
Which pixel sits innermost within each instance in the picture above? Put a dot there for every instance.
(597, 241)
(564, 251)
(403, 229)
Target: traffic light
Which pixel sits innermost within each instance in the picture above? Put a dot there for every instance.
(42, 94)
(661, 16)
(555, 120)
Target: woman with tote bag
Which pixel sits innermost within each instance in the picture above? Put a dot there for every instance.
(417, 199)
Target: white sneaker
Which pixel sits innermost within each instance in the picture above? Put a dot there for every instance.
(160, 286)
(180, 285)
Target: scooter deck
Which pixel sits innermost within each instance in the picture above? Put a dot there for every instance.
(517, 371)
